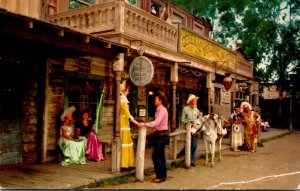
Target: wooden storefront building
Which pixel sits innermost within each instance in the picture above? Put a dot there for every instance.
(64, 60)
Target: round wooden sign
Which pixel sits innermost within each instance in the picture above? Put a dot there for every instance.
(141, 71)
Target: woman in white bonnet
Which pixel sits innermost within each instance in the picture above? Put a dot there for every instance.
(73, 149)
(127, 151)
(251, 129)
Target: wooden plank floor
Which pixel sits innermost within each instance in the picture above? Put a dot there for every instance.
(55, 176)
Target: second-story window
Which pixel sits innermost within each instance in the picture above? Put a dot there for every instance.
(75, 4)
(155, 9)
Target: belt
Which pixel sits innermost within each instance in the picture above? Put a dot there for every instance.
(161, 133)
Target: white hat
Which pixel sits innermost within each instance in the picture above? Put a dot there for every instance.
(243, 104)
(191, 97)
(67, 111)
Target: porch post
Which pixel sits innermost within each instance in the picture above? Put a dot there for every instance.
(174, 80)
(118, 67)
(188, 145)
(140, 154)
(116, 144)
(209, 86)
(173, 123)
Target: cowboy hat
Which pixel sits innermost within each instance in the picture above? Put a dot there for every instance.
(163, 97)
(67, 111)
(191, 97)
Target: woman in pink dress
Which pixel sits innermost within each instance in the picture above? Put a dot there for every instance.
(86, 128)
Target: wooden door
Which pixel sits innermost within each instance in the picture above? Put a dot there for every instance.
(10, 111)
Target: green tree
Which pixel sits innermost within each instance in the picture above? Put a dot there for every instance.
(75, 4)
(269, 29)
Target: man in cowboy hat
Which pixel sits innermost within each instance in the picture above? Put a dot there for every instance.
(160, 131)
(189, 114)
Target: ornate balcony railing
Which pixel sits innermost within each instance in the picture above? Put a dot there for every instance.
(118, 17)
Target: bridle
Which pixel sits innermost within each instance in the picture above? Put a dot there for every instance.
(193, 124)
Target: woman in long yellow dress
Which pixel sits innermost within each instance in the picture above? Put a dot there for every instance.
(127, 151)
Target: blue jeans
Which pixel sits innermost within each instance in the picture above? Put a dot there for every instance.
(194, 145)
(159, 157)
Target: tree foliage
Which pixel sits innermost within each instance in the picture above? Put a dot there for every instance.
(270, 31)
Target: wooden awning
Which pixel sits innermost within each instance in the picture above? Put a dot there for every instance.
(50, 34)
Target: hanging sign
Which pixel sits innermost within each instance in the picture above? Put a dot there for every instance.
(141, 71)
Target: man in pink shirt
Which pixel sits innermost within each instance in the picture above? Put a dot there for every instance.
(160, 125)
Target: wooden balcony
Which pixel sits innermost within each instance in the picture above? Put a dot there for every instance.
(117, 17)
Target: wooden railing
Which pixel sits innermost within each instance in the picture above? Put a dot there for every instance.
(118, 17)
(93, 19)
(141, 145)
(142, 25)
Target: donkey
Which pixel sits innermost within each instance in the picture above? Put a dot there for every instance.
(212, 128)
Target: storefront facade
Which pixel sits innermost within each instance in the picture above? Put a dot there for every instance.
(45, 69)
(184, 59)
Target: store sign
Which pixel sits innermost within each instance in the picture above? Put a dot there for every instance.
(195, 45)
(141, 71)
(84, 66)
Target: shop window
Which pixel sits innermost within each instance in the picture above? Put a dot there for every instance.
(75, 4)
(85, 93)
(217, 96)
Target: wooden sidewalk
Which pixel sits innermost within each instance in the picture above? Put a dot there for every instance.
(55, 176)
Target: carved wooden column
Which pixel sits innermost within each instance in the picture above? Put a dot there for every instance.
(209, 85)
(173, 122)
(117, 105)
(174, 80)
(118, 67)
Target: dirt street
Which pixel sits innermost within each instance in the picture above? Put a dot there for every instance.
(274, 166)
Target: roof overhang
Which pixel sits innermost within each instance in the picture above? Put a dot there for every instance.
(50, 34)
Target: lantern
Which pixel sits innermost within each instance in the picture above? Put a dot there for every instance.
(227, 81)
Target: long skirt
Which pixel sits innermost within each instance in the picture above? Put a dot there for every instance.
(251, 133)
(127, 151)
(74, 152)
(236, 136)
(94, 148)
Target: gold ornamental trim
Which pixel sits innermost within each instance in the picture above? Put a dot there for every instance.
(194, 45)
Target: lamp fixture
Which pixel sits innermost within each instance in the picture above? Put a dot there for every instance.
(227, 80)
